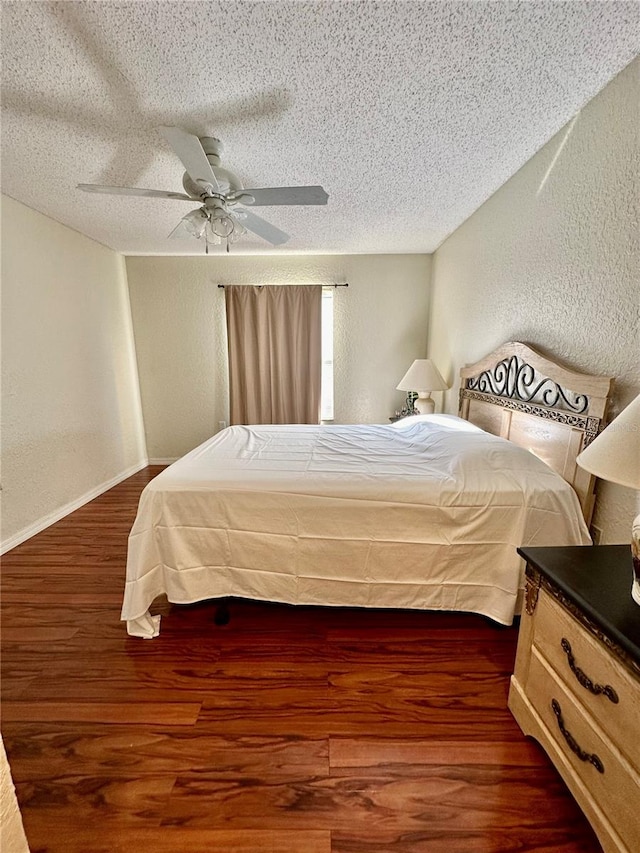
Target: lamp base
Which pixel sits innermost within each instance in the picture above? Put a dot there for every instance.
(424, 404)
(635, 553)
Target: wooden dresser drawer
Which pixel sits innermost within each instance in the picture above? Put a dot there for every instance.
(610, 780)
(576, 683)
(596, 678)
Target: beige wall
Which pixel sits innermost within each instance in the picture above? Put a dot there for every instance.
(552, 259)
(71, 421)
(178, 316)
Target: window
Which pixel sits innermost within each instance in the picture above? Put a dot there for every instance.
(326, 394)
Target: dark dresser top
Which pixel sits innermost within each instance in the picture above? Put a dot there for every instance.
(596, 578)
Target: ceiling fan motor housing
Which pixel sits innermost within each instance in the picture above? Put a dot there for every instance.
(229, 183)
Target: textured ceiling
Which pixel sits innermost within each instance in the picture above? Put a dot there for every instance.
(410, 114)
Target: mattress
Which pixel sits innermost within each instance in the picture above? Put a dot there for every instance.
(424, 513)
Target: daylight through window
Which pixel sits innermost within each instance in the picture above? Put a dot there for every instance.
(326, 404)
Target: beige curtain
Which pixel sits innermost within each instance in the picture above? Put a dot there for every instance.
(274, 338)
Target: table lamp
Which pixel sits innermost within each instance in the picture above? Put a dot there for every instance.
(423, 377)
(615, 456)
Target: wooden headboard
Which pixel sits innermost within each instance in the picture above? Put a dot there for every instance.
(517, 393)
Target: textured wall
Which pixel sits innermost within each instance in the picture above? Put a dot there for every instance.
(552, 259)
(12, 837)
(178, 316)
(70, 403)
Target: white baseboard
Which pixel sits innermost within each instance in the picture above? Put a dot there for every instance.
(163, 460)
(48, 520)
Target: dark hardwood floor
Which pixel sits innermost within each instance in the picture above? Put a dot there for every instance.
(289, 730)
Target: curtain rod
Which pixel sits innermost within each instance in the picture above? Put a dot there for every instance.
(304, 284)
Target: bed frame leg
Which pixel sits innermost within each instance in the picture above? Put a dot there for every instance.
(222, 615)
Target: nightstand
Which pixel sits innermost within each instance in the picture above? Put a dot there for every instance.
(576, 685)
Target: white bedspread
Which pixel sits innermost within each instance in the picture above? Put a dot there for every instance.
(424, 513)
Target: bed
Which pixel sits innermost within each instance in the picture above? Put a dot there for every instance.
(425, 513)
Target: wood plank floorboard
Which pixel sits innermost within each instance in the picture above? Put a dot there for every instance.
(554, 840)
(37, 634)
(466, 797)
(57, 750)
(364, 752)
(114, 839)
(115, 713)
(289, 730)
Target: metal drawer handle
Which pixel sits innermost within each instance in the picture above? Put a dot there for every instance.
(585, 681)
(592, 758)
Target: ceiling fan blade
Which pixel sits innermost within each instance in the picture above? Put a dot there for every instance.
(191, 153)
(263, 228)
(95, 188)
(266, 196)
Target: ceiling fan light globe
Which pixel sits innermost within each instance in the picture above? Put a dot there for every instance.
(238, 232)
(195, 222)
(221, 225)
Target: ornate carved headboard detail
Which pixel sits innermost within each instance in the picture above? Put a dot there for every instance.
(519, 394)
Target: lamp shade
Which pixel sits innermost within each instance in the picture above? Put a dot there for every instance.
(423, 375)
(615, 454)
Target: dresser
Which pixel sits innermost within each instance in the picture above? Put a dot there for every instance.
(576, 684)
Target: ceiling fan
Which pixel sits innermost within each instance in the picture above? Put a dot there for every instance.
(222, 215)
